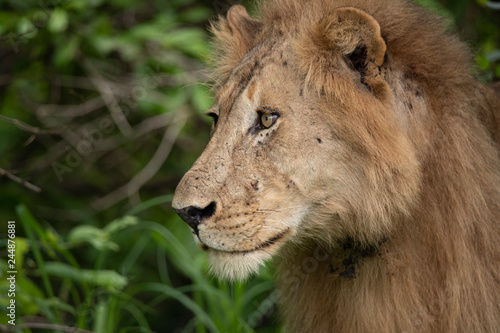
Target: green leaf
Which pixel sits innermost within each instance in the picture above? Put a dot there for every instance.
(101, 316)
(150, 203)
(120, 224)
(22, 247)
(195, 15)
(6, 21)
(31, 225)
(183, 299)
(100, 238)
(127, 47)
(83, 4)
(103, 44)
(482, 62)
(202, 99)
(104, 278)
(26, 29)
(66, 53)
(58, 21)
(197, 41)
(144, 32)
(29, 290)
(93, 235)
(26, 291)
(58, 304)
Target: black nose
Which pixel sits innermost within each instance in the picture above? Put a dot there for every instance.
(193, 216)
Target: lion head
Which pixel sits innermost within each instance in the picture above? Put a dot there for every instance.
(310, 141)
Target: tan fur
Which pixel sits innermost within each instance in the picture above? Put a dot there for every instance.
(377, 190)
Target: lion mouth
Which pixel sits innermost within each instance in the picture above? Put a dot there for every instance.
(271, 241)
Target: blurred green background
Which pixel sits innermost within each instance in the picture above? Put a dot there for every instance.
(101, 112)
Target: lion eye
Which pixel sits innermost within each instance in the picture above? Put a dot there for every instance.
(214, 116)
(268, 119)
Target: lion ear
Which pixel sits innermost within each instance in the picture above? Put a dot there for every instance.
(350, 38)
(242, 26)
(234, 36)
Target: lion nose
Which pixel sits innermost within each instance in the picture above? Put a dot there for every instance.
(193, 216)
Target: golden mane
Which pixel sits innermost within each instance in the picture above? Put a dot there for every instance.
(439, 268)
(417, 41)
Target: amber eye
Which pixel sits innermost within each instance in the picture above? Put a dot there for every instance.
(268, 119)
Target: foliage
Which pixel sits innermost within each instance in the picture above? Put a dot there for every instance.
(121, 299)
(101, 113)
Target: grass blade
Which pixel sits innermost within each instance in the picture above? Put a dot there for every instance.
(29, 223)
(150, 203)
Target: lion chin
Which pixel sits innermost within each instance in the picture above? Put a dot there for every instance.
(236, 266)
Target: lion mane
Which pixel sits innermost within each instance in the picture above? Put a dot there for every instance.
(411, 241)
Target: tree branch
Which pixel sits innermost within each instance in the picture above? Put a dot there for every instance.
(107, 95)
(26, 127)
(149, 170)
(71, 111)
(21, 181)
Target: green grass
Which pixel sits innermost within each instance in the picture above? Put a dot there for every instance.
(116, 295)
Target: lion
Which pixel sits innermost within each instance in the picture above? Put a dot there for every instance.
(352, 144)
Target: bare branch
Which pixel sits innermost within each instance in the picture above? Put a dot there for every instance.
(21, 181)
(146, 126)
(124, 84)
(71, 139)
(149, 170)
(26, 127)
(107, 95)
(71, 110)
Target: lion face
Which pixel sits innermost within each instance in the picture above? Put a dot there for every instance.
(288, 161)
